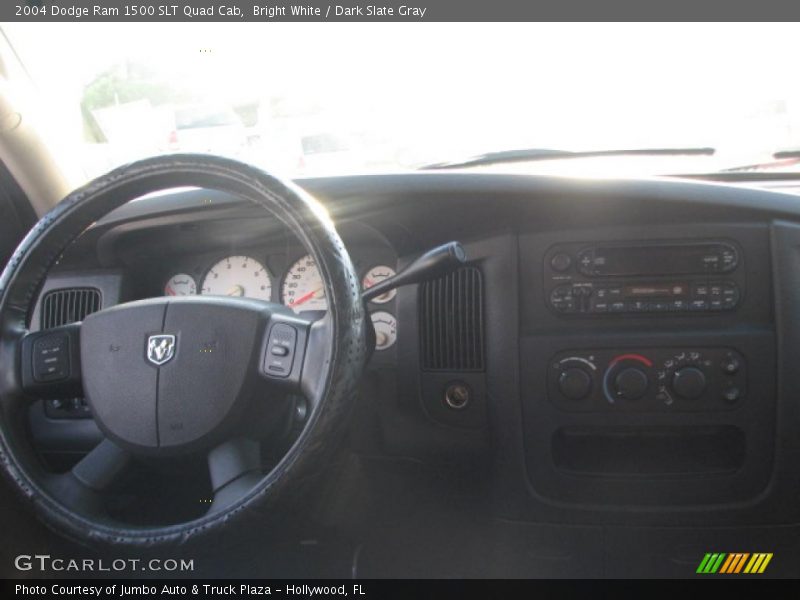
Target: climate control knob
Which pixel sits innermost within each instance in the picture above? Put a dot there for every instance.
(575, 383)
(689, 383)
(630, 383)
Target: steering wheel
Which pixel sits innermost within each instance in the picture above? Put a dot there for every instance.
(178, 376)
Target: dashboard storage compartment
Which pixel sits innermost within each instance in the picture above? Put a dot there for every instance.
(649, 453)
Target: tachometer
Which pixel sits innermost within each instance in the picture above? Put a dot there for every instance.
(238, 276)
(303, 289)
(180, 284)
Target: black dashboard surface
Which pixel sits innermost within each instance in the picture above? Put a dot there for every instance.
(551, 458)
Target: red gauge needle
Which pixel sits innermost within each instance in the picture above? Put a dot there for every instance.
(368, 283)
(304, 298)
(170, 291)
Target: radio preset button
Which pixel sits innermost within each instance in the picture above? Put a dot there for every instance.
(585, 261)
(698, 305)
(729, 258)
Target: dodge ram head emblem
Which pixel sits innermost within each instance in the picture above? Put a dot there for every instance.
(160, 349)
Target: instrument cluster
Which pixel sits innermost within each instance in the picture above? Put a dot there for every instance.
(299, 287)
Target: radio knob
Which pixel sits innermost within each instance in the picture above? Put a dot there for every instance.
(575, 383)
(689, 383)
(561, 262)
(631, 383)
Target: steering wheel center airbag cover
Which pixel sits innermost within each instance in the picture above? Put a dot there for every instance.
(169, 375)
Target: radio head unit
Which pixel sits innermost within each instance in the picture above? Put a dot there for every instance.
(643, 277)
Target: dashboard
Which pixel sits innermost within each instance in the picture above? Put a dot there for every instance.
(613, 352)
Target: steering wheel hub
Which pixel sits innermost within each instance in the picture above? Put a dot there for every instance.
(172, 374)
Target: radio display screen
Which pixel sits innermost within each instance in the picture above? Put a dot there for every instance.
(661, 260)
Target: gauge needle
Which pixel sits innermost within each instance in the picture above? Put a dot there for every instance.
(170, 291)
(304, 298)
(236, 290)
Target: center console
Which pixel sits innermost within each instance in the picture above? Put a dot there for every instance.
(657, 362)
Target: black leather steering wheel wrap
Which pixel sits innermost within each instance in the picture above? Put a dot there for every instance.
(344, 338)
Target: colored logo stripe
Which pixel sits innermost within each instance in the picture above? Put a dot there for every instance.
(734, 563)
(711, 563)
(758, 563)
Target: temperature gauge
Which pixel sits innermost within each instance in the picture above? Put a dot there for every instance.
(374, 276)
(180, 284)
(385, 330)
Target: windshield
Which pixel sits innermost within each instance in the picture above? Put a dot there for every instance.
(319, 99)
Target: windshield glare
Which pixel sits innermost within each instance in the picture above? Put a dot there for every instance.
(321, 99)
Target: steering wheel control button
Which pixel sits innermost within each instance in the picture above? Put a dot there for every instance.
(457, 395)
(278, 350)
(575, 383)
(281, 348)
(51, 358)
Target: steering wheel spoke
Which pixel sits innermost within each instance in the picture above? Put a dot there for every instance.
(233, 467)
(85, 485)
(51, 362)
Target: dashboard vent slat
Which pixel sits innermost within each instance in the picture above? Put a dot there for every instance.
(451, 322)
(62, 307)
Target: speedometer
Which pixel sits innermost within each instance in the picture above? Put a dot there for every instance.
(303, 289)
(238, 276)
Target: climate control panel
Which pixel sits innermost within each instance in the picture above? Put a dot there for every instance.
(648, 379)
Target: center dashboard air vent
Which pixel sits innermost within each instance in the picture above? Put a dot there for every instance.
(451, 322)
(64, 306)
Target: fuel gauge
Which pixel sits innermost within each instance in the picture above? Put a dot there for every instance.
(180, 284)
